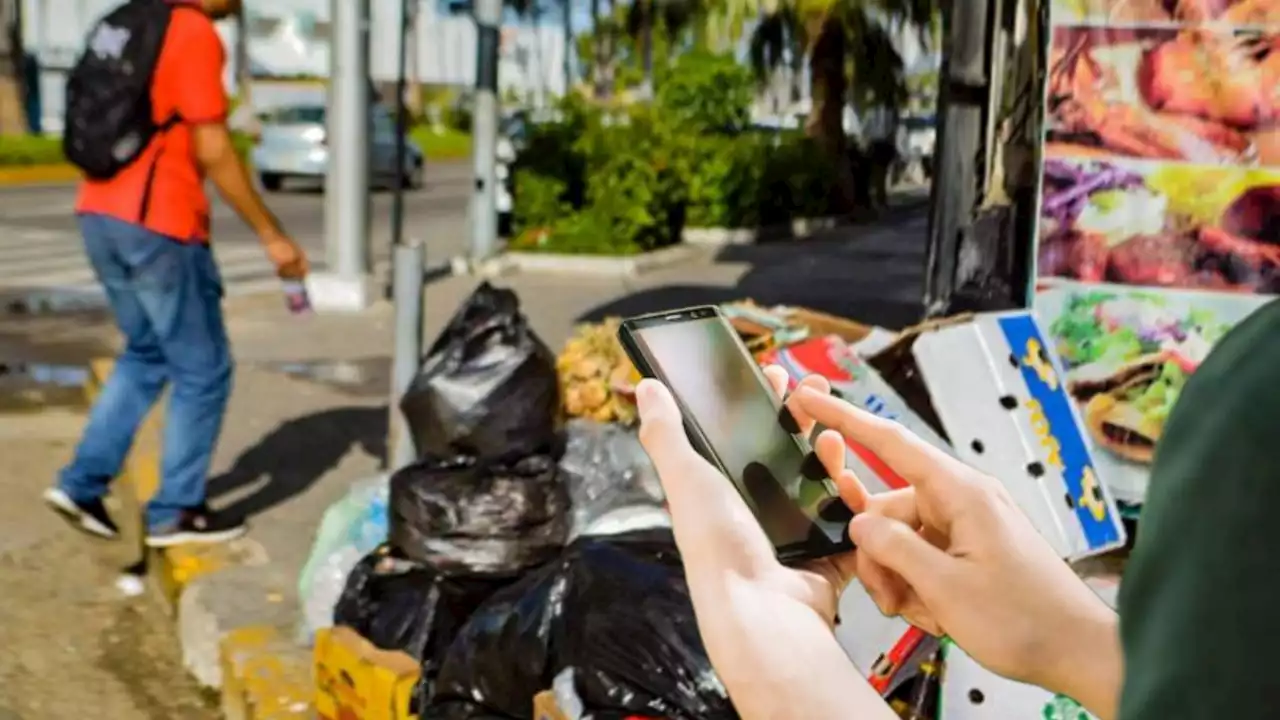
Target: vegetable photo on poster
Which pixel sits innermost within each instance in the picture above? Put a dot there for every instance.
(1232, 12)
(1127, 353)
(1199, 95)
(1160, 225)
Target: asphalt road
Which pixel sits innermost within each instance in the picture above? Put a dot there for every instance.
(40, 243)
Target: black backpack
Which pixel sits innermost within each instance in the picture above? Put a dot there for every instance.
(108, 121)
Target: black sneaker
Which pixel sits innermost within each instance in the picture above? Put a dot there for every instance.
(198, 526)
(91, 517)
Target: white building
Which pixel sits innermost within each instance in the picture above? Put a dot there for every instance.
(291, 38)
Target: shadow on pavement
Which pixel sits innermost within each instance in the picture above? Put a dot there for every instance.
(296, 454)
(873, 274)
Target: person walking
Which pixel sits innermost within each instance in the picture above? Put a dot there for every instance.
(147, 123)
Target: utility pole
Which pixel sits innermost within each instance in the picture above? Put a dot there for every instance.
(972, 262)
(347, 285)
(484, 131)
(566, 10)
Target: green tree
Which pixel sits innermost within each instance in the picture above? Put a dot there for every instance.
(849, 48)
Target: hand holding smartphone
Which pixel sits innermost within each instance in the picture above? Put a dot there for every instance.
(735, 421)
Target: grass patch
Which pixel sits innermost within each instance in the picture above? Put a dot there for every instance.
(38, 150)
(30, 151)
(448, 144)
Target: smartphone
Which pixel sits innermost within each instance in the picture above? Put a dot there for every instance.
(738, 424)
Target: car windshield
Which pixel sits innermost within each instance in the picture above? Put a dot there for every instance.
(300, 114)
(917, 122)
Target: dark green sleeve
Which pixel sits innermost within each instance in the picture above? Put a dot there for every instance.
(1200, 599)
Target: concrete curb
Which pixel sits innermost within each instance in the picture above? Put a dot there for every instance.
(797, 228)
(38, 174)
(262, 674)
(609, 266)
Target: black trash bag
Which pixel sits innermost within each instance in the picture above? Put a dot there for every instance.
(615, 609)
(487, 387)
(465, 517)
(399, 605)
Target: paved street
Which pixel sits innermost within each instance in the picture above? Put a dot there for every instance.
(40, 249)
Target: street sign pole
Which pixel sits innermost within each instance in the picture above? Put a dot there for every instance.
(346, 285)
(408, 263)
(484, 131)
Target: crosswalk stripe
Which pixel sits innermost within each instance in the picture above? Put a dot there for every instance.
(53, 261)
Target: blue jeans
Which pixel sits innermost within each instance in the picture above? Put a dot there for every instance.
(167, 300)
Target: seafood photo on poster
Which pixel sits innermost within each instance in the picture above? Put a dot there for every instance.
(1160, 225)
(1231, 12)
(1127, 355)
(1207, 96)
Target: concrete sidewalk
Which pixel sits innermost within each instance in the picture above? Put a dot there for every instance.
(309, 413)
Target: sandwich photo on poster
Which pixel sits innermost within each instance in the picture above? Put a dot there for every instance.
(1127, 354)
(1200, 95)
(1231, 12)
(1160, 225)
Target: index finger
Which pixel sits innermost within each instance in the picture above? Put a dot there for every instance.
(912, 458)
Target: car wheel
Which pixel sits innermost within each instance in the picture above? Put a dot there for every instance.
(272, 181)
(416, 177)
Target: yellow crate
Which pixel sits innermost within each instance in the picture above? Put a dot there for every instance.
(357, 681)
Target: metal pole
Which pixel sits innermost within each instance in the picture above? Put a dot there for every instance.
(407, 284)
(347, 180)
(402, 125)
(484, 131)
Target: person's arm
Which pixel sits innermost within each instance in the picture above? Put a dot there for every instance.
(1198, 600)
(778, 658)
(216, 154)
(203, 106)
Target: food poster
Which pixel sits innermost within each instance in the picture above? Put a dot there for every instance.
(1159, 224)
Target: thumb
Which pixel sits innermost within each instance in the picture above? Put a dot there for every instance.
(899, 548)
(687, 479)
(662, 431)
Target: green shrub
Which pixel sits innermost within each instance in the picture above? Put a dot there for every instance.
(542, 201)
(704, 91)
(725, 180)
(625, 182)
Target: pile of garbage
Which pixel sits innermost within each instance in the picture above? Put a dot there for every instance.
(527, 550)
(514, 533)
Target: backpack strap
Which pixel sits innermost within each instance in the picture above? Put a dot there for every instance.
(161, 132)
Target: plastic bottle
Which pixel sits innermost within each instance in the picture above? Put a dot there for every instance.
(296, 298)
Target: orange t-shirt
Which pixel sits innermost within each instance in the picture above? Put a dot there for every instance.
(188, 84)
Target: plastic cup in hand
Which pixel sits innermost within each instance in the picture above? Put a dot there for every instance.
(296, 298)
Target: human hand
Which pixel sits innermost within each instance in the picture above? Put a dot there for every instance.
(713, 525)
(288, 257)
(767, 628)
(954, 555)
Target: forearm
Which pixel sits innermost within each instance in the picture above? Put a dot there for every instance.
(778, 658)
(1089, 667)
(229, 174)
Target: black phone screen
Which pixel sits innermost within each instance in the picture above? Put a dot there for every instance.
(725, 397)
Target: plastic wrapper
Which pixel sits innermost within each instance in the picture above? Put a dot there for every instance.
(614, 609)
(609, 478)
(465, 517)
(400, 605)
(487, 387)
(351, 527)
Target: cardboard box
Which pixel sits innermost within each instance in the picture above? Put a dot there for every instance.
(357, 681)
(545, 707)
